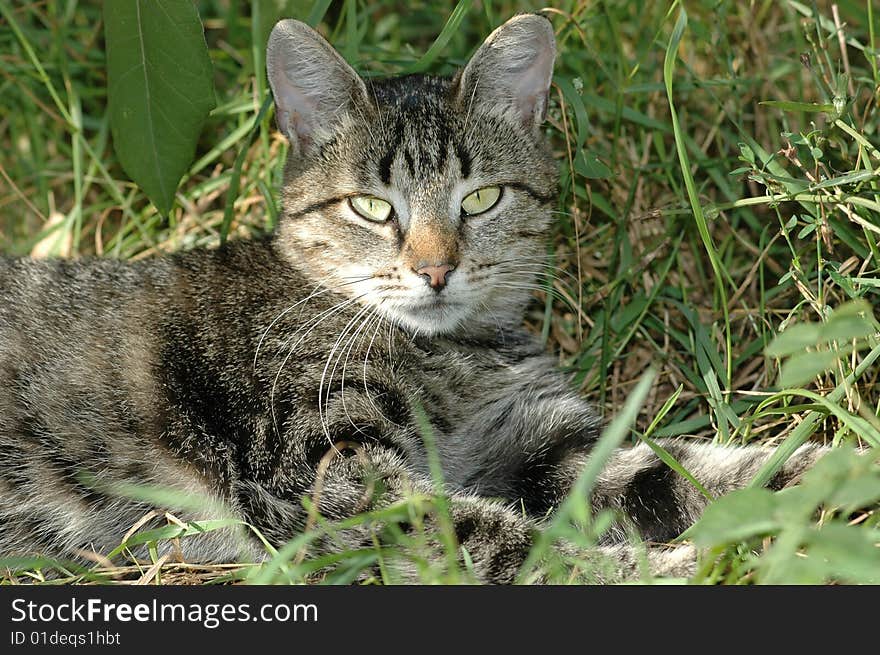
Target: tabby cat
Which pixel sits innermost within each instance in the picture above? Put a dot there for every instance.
(300, 365)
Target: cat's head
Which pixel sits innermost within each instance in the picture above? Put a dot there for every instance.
(426, 199)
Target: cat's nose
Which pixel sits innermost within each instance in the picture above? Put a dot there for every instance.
(436, 276)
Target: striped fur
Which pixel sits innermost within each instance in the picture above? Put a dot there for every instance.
(251, 376)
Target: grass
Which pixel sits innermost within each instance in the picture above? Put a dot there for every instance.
(720, 183)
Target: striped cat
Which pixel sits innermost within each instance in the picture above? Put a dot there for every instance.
(415, 212)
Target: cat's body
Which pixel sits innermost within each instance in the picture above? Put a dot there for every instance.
(163, 385)
(238, 374)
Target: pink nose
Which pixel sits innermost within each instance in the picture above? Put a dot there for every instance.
(436, 276)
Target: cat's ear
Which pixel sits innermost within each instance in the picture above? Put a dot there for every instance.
(512, 70)
(312, 84)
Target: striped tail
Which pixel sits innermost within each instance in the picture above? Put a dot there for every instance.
(660, 503)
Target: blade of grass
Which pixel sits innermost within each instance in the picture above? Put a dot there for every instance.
(576, 504)
(807, 426)
(235, 180)
(690, 185)
(449, 29)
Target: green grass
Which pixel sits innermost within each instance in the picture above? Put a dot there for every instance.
(720, 183)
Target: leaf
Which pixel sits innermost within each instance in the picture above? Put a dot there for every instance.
(854, 494)
(852, 320)
(799, 106)
(606, 106)
(806, 230)
(588, 165)
(854, 308)
(846, 328)
(849, 178)
(746, 153)
(576, 105)
(739, 515)
(160, 90)
(849, 478)
(845, 553)
(802, 367)
(676, 466)
(790, 568)
(174, 532)
(795, 339)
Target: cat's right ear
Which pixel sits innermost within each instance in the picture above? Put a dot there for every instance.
(313, 86)
(511, 71)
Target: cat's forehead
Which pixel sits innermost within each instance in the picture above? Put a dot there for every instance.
(411, 92)
(418, 129)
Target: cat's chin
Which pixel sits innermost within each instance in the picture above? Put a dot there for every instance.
(431, 319)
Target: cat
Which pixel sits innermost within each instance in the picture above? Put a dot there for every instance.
(299, 365)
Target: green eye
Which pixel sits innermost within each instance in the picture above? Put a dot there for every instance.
(481, 200)
(371, 208)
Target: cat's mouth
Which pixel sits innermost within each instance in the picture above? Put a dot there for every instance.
(437, 303)
(433, 315)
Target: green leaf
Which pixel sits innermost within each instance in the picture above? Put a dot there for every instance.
(849, 178)
(845, 553)
(739, 515)
(799, 369)
(160, 90)
(588, 165)
(852, 320)
(576, 104)
(799, 106)
(846, 328)
(319, 9)
(746, 153)
(676, 466)
(854, 308)
(174, 532)
(795, 339)
(849, 478)
(854, 494)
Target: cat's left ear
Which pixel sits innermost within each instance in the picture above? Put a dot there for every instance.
(512, 70)
(314, 87)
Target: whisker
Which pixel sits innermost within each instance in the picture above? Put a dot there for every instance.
(315, 293)
(345, 353)
(495, 320)
(539, 260)
(553, 292)
(367, 357)
(321, 407)
(545, 271)
(526, 272)
(364, 330)
(313, 323)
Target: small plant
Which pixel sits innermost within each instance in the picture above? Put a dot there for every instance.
(758, 536)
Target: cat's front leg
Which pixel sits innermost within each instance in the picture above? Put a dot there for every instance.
(497, 539)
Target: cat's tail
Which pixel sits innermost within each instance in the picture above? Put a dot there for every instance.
(660, 503)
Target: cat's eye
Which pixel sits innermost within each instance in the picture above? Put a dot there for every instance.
(481, 200)
(372, 208)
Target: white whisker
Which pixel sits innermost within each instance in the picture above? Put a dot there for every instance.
(322, 406)
(314, 294)
(311, 325)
